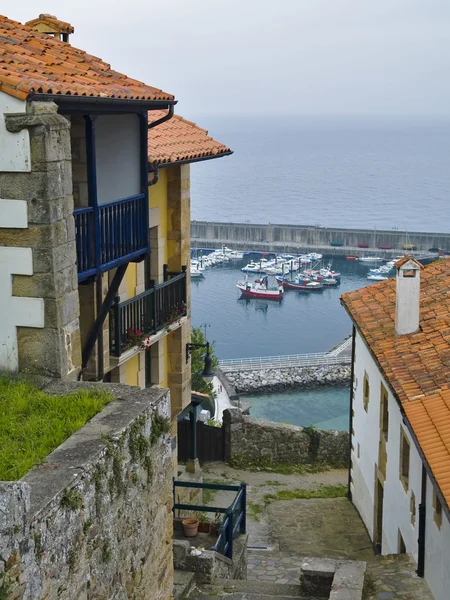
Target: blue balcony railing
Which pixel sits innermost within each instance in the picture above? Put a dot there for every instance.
(234, 517)
(148, 312)
(110, 234)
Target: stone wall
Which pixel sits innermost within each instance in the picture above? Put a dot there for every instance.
(258, 441)
(276, 380)
(95, 521)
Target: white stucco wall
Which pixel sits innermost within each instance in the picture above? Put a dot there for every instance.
(437, 551)
(366, 425)
(14, 147)
(117, 139)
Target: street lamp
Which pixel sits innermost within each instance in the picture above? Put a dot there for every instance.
(208, 371)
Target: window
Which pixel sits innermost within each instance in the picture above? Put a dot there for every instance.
(384, 413)
(404, 459)
(412, 508)
(366, 391)
(437, 510)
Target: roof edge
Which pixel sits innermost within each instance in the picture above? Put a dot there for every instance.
(164, 165)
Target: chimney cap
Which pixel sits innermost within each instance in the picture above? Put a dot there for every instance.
(409, 261)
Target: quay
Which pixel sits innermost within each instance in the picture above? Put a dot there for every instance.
(341, 355)
(329, 241)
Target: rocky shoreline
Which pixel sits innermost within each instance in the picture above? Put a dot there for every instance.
(276, 380)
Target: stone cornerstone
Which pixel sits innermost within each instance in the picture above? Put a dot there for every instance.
(256, 440)
(95, 520)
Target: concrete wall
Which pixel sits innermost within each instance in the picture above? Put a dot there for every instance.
(295, 238)
(94, 521)
(254, 440)
(117, 140)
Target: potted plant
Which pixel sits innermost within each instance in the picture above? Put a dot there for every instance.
(190, 527)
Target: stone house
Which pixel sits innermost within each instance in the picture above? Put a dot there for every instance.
(94, 216)
(399, 477)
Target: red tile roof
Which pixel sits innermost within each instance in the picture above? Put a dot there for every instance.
(416, 365)
(179, 139)
(52, 22)
(33, 63)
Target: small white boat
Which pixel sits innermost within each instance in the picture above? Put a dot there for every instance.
(375, 277)
(196, 274)
(370, 259)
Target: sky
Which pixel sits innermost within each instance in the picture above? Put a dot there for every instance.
(383, 58)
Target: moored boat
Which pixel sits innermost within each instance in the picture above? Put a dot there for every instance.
(260, 289)
(301, 285)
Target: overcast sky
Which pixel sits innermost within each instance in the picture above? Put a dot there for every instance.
(266, 57)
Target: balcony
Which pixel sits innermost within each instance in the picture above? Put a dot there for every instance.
(110, 234)
(148, 313)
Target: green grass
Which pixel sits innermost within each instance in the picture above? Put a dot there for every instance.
(264, 465)
(254, 510)
(32, 423)
(324, 491)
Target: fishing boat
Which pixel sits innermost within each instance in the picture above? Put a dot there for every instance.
(370, 259)
(301, 285)
(351, 257)
(260, 289)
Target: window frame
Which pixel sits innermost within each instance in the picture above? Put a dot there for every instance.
(366, 391)
(404, 472)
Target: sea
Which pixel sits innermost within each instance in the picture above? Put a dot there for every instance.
(343, 172)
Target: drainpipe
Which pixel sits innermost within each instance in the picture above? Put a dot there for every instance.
(153, 168)
(352, 374)
(100, 350)
(422, 520)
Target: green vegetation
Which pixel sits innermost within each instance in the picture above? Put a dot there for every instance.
(32, 423)
(324, 491)
(160, 426)
(71, 499)
(273, 482)
(370, 588)
(198, 362)
(264, 464)
(254, 510)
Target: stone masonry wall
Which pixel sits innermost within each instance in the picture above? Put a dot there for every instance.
(95, 521)
(47, 189)
(255, 440)
(276, 380)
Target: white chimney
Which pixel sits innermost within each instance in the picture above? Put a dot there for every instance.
(407, 301)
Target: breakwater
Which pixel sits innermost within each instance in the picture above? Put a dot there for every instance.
(305, 238)
(276, 380)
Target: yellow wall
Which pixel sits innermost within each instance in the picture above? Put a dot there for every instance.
(132, 370)
(165, 382)
(130, 280)
(158, 199)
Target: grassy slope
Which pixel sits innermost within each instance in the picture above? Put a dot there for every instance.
(32, 423)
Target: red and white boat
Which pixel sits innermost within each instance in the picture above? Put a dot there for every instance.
(260, 289)
(301, 285)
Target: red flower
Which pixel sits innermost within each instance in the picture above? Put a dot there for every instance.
(131, 330)
(138, 333)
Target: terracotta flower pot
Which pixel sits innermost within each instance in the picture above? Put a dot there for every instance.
(190, 527)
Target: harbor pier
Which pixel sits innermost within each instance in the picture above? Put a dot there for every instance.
(329, 241)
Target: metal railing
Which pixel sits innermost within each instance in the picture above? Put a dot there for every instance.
(110, 234)
(279, 362)
(147, 313)
(234, 518)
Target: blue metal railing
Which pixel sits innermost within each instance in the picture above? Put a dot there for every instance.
(147, 312)
(119, 233)
(234, 520)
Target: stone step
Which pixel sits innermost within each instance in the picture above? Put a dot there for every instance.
(258, 589)
(183, 583)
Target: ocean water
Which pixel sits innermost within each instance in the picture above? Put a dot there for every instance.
(326, 408)
(348, 173)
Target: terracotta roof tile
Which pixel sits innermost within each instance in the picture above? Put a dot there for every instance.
(34, 63)
(416, 365)
(179, 139)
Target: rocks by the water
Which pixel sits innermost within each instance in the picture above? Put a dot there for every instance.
(276, 380)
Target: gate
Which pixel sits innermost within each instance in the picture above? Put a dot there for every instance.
(210, 442)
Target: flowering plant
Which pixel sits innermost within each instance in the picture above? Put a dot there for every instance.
(135, 337)
(175, 315)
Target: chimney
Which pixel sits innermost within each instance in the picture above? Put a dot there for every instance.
(407, 300)
(50, 25)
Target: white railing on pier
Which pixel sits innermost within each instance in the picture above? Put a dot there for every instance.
(280, 362)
